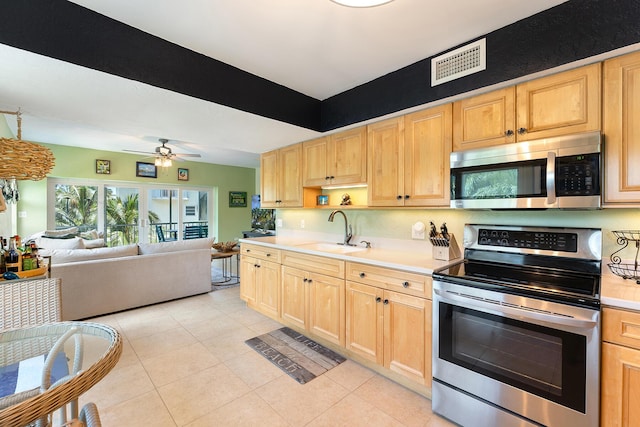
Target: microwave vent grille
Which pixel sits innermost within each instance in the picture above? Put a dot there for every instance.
(468, 59)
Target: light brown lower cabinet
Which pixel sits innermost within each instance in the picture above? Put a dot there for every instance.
(313, 302)
(391, 329)
(260, 285)
(620, 376)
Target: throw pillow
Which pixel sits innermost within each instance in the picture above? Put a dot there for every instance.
(63, 256)
(55, 243)
(63, 233)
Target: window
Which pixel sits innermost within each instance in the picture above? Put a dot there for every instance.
(127, 213)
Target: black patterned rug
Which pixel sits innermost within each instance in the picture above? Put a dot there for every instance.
(296, 355)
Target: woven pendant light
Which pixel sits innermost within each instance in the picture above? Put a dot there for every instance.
(23, 160)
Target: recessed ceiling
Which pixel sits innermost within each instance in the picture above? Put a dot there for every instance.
(315, 47)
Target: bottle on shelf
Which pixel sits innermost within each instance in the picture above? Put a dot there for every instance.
(3, 266)
(27, 259)
(13, 257)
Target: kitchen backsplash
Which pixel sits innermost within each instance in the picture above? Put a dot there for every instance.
(395, 224)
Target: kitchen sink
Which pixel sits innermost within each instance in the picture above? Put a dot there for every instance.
(332, 248)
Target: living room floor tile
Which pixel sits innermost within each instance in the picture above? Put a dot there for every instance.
(185, 363)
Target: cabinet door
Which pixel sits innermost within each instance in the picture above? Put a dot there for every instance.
(364, 323)
(248, 290)
(269, 179)
(622, 129)
(290, 176)
(407, 345)
(385, 141)
(559, 104)
(268, 289)
(620, 388)
(427, 145)
(314, 163)
(326, 307)
(347, 157)
(294, 297)
(485, 120)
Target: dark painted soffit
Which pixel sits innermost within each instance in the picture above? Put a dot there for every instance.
(59, 29)
(69, 32)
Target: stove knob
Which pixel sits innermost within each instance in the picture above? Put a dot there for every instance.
(504, 242)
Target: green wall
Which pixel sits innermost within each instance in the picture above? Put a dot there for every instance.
(72, 162)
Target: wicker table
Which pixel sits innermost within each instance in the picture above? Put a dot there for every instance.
(94, 349)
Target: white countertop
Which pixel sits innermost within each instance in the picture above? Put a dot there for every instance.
(614, 291)
(415, 261)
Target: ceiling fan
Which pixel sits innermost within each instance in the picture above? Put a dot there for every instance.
(164, 155)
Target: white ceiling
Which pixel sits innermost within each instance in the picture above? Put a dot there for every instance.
(315, 47)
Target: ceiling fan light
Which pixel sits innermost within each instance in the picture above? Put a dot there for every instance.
(166, 163)
(361, 3)
(158, 161)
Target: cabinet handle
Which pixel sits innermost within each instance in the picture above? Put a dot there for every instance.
(332, 177)
(310, 280)
(247, 250)
(405, 284)
(522, 131)
(385, 302)
(399, 197)
(406, 196)
(362, 275)
(268, 254)
(257, 265)
(327, 178)
(305, 279)
(508, 132)
(378, 299)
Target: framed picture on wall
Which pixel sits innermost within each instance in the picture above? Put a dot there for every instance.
(103, 166)
(183, 174)
(237, 199)
(146, 170)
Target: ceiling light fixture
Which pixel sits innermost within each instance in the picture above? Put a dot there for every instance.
(361, 3)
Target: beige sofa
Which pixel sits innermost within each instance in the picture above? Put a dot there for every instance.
(105, 280)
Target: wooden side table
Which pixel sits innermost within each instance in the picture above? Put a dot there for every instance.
(227, 271)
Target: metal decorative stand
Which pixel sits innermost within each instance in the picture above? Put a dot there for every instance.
(626, 271)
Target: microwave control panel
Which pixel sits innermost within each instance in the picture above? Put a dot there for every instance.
(578, 175)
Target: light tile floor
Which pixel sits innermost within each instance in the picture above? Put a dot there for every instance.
(185, 363)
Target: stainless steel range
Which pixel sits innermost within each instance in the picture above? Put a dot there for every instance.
(516, 328)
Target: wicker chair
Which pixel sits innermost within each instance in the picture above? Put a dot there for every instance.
(89, 415)
(30, 302)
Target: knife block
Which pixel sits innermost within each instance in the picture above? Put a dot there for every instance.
(445, 249)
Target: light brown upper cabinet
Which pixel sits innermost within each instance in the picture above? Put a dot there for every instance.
(409, 159)
(427, 145)
(559, 104)
(385, 142)
(621, 128)
(280, 178)
(485, 120)
(338, 159)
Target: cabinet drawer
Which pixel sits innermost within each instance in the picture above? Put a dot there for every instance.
(260, 252)
(621, 327)
(316, 264)
(387, 278)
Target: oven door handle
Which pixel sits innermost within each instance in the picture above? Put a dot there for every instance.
(520, 313)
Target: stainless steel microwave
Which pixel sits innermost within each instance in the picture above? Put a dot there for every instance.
(559, 172)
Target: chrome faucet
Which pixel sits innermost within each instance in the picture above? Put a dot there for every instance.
(348, 230)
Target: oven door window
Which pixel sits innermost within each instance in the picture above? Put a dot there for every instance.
(543, 361)
(502, 181)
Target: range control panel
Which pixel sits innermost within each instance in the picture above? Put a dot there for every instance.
(543, 240)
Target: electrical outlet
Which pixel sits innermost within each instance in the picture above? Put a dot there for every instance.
(22, 214)
(279, 223)
(418, 231)
(302, 223)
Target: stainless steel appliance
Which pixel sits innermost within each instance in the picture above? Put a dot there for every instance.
(516, 336)
(560, 172)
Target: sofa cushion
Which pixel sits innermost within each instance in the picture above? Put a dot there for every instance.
(55, 243)
(63, 256)
(183, 245)
(94, 243)
(62, 234)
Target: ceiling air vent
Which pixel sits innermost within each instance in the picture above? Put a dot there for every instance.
(461, 62)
